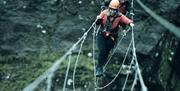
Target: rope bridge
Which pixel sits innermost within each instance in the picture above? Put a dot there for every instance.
(49, 73)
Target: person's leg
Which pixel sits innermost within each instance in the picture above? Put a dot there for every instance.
(102, 54)
(110, 45)
(102, 50)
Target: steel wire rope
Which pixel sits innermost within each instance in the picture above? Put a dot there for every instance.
(134, 82)
(54, 67)
(76, 62)
(49, 82)
(132, 37)
(144, 88)
(132, 17)
(67, 72)
(127, 76)
(94, 35)
(171, 27)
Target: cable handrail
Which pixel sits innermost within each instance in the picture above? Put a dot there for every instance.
(171, 27)
(76, 62)
(55, 65)
(144, 88)
(67, 72)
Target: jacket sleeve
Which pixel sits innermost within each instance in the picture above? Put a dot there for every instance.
(125, 20)
(102, 14)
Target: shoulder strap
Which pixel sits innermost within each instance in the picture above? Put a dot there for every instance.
(109, 23)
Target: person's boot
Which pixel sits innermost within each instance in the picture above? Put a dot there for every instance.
(99, 71)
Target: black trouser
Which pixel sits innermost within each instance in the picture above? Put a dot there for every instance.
(105, 44)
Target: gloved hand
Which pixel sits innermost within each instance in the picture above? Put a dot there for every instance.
(124, 32)
(98, 20)
(98, 17)
(131, 24)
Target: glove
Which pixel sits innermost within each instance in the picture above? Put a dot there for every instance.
(131, 24)
(98, 20)
(98, 17)
(124, 32)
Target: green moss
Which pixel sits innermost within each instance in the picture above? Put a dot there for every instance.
(22, 70)
(18, 71)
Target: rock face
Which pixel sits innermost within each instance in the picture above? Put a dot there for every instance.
(42, 26)
(33, 26)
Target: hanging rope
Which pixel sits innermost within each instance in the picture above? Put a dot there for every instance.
(67, 71)
(49, 82)
(127, 76)
(172, 28)
(56, 64)
(94, 61)
(144, 88)
(77, 60)
(134, 82)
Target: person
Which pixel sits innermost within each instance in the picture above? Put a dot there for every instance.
(124, 6)
(109, 19)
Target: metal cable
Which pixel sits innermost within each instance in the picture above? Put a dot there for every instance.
(55, 65)
(171, 27)
(67, 71)
(77, 60)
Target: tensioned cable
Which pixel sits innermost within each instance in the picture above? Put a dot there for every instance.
(135, 78)
(67, 72)
(96, 32)
(49, 82)
(171, 27)
(134, 82)
(132, 37)
(144, 88)
(119, 69)
(77, 60)
(127, 76)
(55, 65)
(94, 35)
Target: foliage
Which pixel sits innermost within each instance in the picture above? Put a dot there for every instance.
(18, 71)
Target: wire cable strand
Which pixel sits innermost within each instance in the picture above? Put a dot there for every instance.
(55, 65)
(171, 27)
(67, 72)
(77, 60)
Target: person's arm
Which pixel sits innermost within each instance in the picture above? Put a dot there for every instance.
(125, 20)
(99, 20)
(100, 17)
